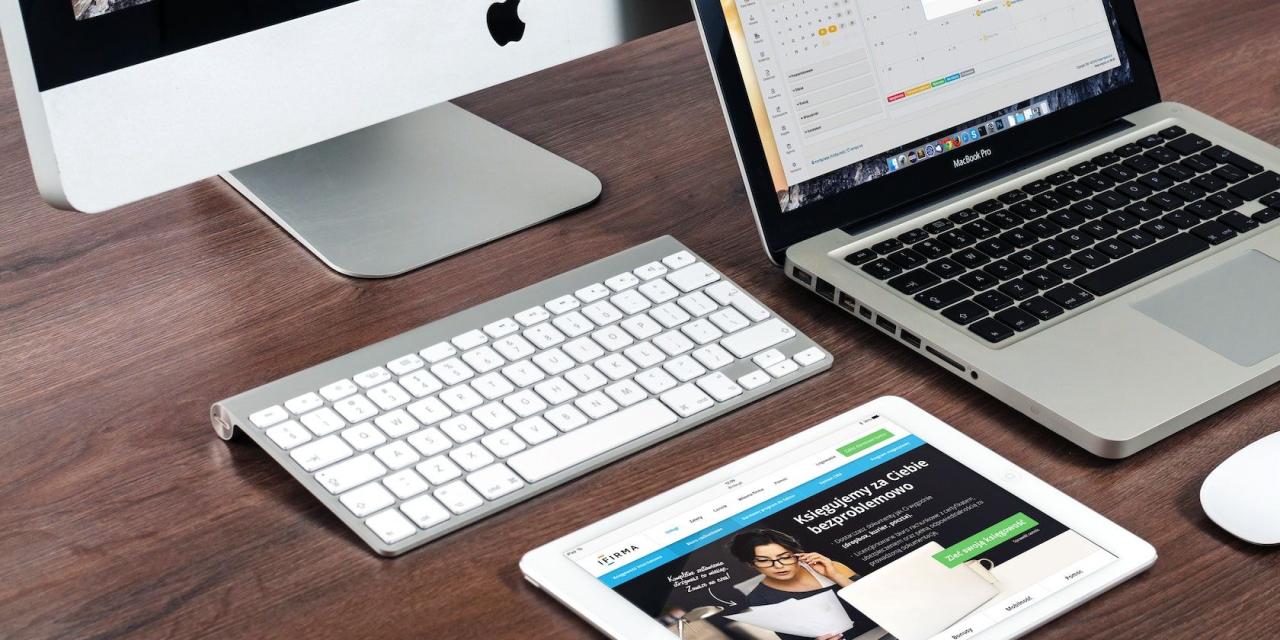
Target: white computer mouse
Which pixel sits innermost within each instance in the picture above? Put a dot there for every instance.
(1243, 494)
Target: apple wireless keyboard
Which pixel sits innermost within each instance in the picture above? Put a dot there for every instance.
(419, 435)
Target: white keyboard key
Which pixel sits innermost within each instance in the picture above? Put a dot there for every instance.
(501, 328)
(702, 331)
(626, 392)
(350, 473)
(288, 435)
(697, 304)
(659, 291)
(556, 390)
(532, 316)
(687, 400)
(425, 511)
(503, 443)
(563, 304)
(405, 484)
(354, 409)
(523, 374)
(452, 371)
(483, 359)
(730, 320)
(645, 354)
(495, 481)
(583, 350)
(613, 338)
(758, 338)
(372, 377)
(338, 390)
(471, 456)
(630, 302)
(458, 497)
(596, 405)
(397, 455)
(492, 386)
(396, 424)
(544, 336)
(367, 499)
(439, 470)
(586, 378)
(719, 386)
(722, 292)
(684, 368)
(670, 315)
(461, 398)
(650, 271)
(810, 356)
(269, 416)
(784, 368)
(602, 313)
(323, 422)
(524, 403)
(726, 293)
(768, 358)
(304, 403)
(592, 293)
(673, 343)
(641, 327)
(622, 281)
(364, 437)
(573, 324)
(565, 418)
(694, 276)
(421, 383)
(514, 348)
(388, 396)
(584, 444)
(437, 352)
(679, 260)
(616, 366)
(391, 526)
(713, 357)
(462, 428)
(656, 380)
(405, 364)
(429, 411)
(553, 361)
(535, 430)
(469, 340)
(494, 416)
(754, 380)
(429, 442)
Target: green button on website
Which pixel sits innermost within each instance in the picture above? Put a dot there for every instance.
(865, 442)
(985, 540)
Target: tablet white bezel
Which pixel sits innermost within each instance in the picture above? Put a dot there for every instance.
(548, 568)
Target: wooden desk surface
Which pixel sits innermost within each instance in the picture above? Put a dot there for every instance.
(122, 514)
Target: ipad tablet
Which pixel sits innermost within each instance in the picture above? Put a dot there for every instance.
(881, 523)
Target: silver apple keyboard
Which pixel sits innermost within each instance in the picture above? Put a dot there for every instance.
(421, 434)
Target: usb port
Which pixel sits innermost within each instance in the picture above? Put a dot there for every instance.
(864, 312)
(885, 324)
(910, 339)
(825, 289)
(848, 304)
(803, 276)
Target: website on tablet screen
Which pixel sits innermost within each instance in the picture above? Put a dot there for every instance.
(865, 534)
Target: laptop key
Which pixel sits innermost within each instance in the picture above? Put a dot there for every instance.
(1105, 160)
(1165, 201)
(1121, 220)
(1160, 229)
(1052, 249)
(993, 300)
(980, 229)
(1042, 309)
(1225, 156)
(1066, 218)
(1214, 232)
(945, 268)
(882, 269)
(1068, 269)
(1230, 173)
(913, 236)
(978, 280)
(1089, 208)
(914, 282)
(1099, 229)
(1083, 169)
(1028, 210)
(1114, 249)
(1043, 279)
(1267, 215)
(1189, 144)
(1018, 289)
(1027, 259)
(1257, 186)
(1017, 319)
(1238, 221)
(987, 206)
(1141, 164)
(1204, 210)
(1225, 200)
(1139, 239)
(991, 330)
(1051, 200)
(1172, 132)
(1188, 192)
(907, 259)
(1069, 296)
(1091, 258)
(1151, 141)
(887, 246)
(963, 216)
(957, 239)
(944, 295)
(1163, 155)
(1209, 183)
(1043, 228)
(971, 258)
(1271, 200)
(931, 249)
(1012, 197)
(1181, 219)
(1154, 259)
(1003, 219)
(1111, 199)
(860, 257)
(1003, 269)
(1197, 164)
(995, 248)
(1075, 239)
(1177, 173)
(939, 226)
(1128, 150)
(1143, 210)
(965, 313)
(1061, 177)
(1120, 173)
(1036, 187)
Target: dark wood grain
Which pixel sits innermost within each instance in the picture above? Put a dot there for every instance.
(122, 514)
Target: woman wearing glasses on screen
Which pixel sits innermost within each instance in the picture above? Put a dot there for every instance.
(791, 573)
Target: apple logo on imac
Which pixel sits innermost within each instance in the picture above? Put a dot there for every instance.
(505, 24)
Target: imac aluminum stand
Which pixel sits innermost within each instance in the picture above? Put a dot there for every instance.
(405, 193)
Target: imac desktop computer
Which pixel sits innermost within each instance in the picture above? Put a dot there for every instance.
(332, 116)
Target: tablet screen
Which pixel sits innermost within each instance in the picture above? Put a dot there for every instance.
(866, 533)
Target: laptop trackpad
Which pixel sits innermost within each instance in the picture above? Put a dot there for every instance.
(1231, 309)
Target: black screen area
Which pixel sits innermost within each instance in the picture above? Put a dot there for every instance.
(66, 50)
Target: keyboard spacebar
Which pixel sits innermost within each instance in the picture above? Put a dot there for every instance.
(1142, 264)
(592, 440)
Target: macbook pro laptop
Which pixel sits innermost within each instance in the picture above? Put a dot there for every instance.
(998, 185)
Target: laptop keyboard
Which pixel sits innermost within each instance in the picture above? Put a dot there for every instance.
(1054, 246)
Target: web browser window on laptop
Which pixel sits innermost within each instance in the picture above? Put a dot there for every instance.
(868, 533)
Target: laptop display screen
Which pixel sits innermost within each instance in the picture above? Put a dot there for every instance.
(844, 92)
